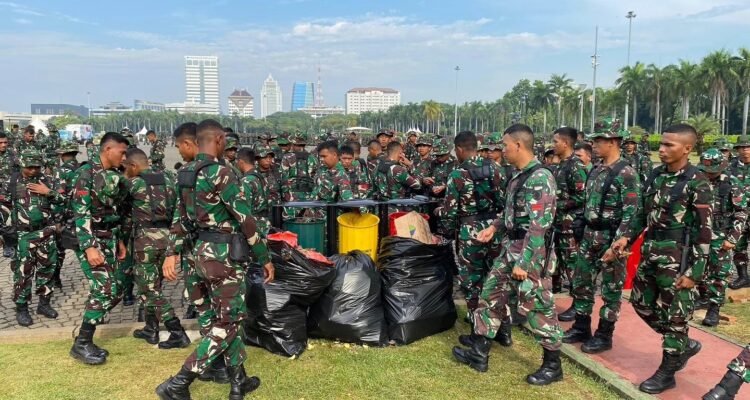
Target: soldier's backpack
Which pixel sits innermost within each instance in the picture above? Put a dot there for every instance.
(157, 184)
(677, 191)
(480, 175)
(522, 177)
(187, 177)
(303, 182)
(384, 167)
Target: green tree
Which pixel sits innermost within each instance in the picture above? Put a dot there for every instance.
(632, 80)
(704, 125)
(742, 71)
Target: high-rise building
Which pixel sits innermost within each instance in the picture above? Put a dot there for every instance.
(240, 103)
(302, 95)
(270, 97)
(202, 81)
(139, 105)
(58, 109)
(359, 100)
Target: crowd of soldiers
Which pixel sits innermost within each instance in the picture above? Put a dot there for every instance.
(526, 223)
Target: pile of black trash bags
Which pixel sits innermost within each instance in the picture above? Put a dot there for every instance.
(408, 296)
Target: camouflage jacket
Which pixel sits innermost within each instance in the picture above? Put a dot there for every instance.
(273, 185)
(254, 186)
(730, 208)
(528, 214)
(464, 197)
(92, 153)
(157, 155)
(217, 203)
(693, 211)
(8, 166)
(64, 178)
(298, 175)
(51, 144)
(359, 182)
(410, 152)
(21, 145)
(422, 168)
(621, 203)
(97, 202)
(149, 204)
(570, 177)
(332, 185)
(33, 212)
(739, 170)
(393, 181)
(641, 163)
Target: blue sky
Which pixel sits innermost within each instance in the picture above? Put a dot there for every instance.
(56, 51)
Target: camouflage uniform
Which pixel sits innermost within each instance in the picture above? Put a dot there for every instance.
(654, 297)
(298, 171)
(393, 181)
(570, 177)
(410, 150)
(51, 145)
(254, 185)
(157, 155)
(64, 178)
(527, 217)
(440, 170)
(332, 185)
(8, 167)
(642, 164)
(741, 364)
(359, 181)
(470, 205)
(741, 171)
(218, 206)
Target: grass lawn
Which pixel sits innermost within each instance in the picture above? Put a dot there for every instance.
(739, 330)
(327, 370)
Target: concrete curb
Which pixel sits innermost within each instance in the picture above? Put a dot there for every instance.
(106, 331)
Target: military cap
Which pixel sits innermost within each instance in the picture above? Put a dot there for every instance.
(263, 150)
(52, 128)
(232, 143)
(608, 128)
(31, 157)
(411, 133)
(494, 141)
(67, 147)
(742, 141)
(441, 146)
(712, 161)
(124, 130)
(299, 138)
(385, 132)
(283, 139)
(722, 144)
(424, 140)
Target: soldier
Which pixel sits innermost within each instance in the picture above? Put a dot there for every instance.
(270, 172)
(384, 137)
(151, 204)
(726, 149)
(14, 136)
(8, 166)
(422, 165)
(27, 140)
(570, 176)
(729, 220)
(332, 182)
(612, 200)
(358, 180)
(740, 168)
(97, 201)
(522, 265)
(484, 148)
(677, 212)
(64, 179)
(255, 186)
(392, 180)
(641, 162)
(473, 199)
(298, 170)
(157, 151)
(284, 146)
(410, 148)
(441, 168)
(230, 152)
(36, 255)
(226, 234)
(128, 135)
(739, 372)
(584, 151)
(52, 143)
(644, 147)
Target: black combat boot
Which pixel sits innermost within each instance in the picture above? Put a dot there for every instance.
(556, 284)
(45, 308)
(240, 383)
(701, 303)
(177, 387)
(216, 372)
(602, 339)
(550, 371)
(712, 315)
(567, 315)
(177, 338)
(9, 251)
(580, 331)
(128, 299)
(150, 332)
(742, 279)
(141, 313)
(663, 378)
(477, 356)
(84, 349)
(692, 348)
(504, 335)
(191, 313)
(516, 318)
(726, 389)
(56, 280)
(22, 315)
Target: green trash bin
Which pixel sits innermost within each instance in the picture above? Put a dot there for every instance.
(310, 234)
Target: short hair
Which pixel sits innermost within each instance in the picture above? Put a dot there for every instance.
(137, 156)
(246, 154)
(373, 142)
(206, 130)
(228, 129)
(522, 133)
(188, 129)
(346, 149)
(583, 146)
(29, 129)
(112, 137)
(569, 134)
(683, 129)
(330, 145)
(150, 132)
(3, 135)
(466, 140)
(393, 147)
(233, 135)
(14, 126)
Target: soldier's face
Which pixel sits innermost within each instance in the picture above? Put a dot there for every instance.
(511, 148)
(674, 147)
(266, 162)
(151, 138)
(28, 136)
(423, 150)
(328, 157)
(630, 147)
(31, 171)
(187, 149)
(230, 154)
(115, 154)
(744, 153)
(3, 144)
(412, 139)
(496, 155)
(374, 151)
(384, 140)
(559, 145)
(583, 155)
(347, 160)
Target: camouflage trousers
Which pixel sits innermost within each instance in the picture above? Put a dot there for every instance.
(60, 253)
(740, 257)
(226, 283)
(654, 297)
(741, 364)
(587, 268)
(718, 269)
(535, 300)
(148, 279)
(126, 268)
(566, 250)
(196, 292)
(474, 261)
(36, 257)
(105, 282)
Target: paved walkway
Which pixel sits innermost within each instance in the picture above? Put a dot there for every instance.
(637, 353)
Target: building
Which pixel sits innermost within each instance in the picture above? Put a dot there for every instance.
(143, 105)
(270, 97)
(302, 95)
(58, 109)
(202, 81)
(240, 103)
(191, 108)
(111, 108)
(316, 112)
(359, 100)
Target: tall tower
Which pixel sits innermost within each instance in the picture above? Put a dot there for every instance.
(202, 81)
(270, 97)
(319, 92)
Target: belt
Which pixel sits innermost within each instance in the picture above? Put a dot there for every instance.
(483, 216)
(155, 224)
(47, 229)
(599, 225)
(105, 227)
(516, 233)
(215, 237)
(676, 234)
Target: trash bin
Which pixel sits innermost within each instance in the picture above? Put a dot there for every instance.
(394, 216)
(311, 234)
(358, 232)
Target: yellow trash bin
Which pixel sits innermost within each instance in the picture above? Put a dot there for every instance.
(358, 232)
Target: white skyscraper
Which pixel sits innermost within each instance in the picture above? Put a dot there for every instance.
(359, 100)
(270, 97)
(202, 81)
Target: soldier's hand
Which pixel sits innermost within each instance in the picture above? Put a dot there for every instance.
(727, 245)
(619, 245)
(684, 282)
(519, 274)
(94, 257)
(122, 251)
(438, 189)
(38, 188)
(609, 256)
(168, 268)
(485, 235)
(428, 181)
(268, 273)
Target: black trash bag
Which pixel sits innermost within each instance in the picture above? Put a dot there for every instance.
(417, 287)
(351, 309)
(277, 311)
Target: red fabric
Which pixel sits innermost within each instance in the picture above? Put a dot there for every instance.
(633, 261)
(289, 237)
(315, 256)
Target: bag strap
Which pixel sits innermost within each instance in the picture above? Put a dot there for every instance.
(479, 175)
(198, 167)
(616, 169)
(522, 178)
(156, 180)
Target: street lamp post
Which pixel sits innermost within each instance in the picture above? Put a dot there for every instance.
(455, 110)
(88, 99)
(582, 88)
(594, 64)
(630, 17)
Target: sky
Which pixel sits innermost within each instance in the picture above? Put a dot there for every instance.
(57, 51)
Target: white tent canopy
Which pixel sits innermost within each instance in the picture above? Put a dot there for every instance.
(142, 132)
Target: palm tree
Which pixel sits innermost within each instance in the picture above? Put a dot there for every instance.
(716, 69)
(432, 113)
(557, 85)
(541, 97)
(684, 79)
(704, 125)
(742, 71)
(631, 81)
(656, 77)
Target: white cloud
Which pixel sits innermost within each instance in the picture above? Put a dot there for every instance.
(22, 21)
